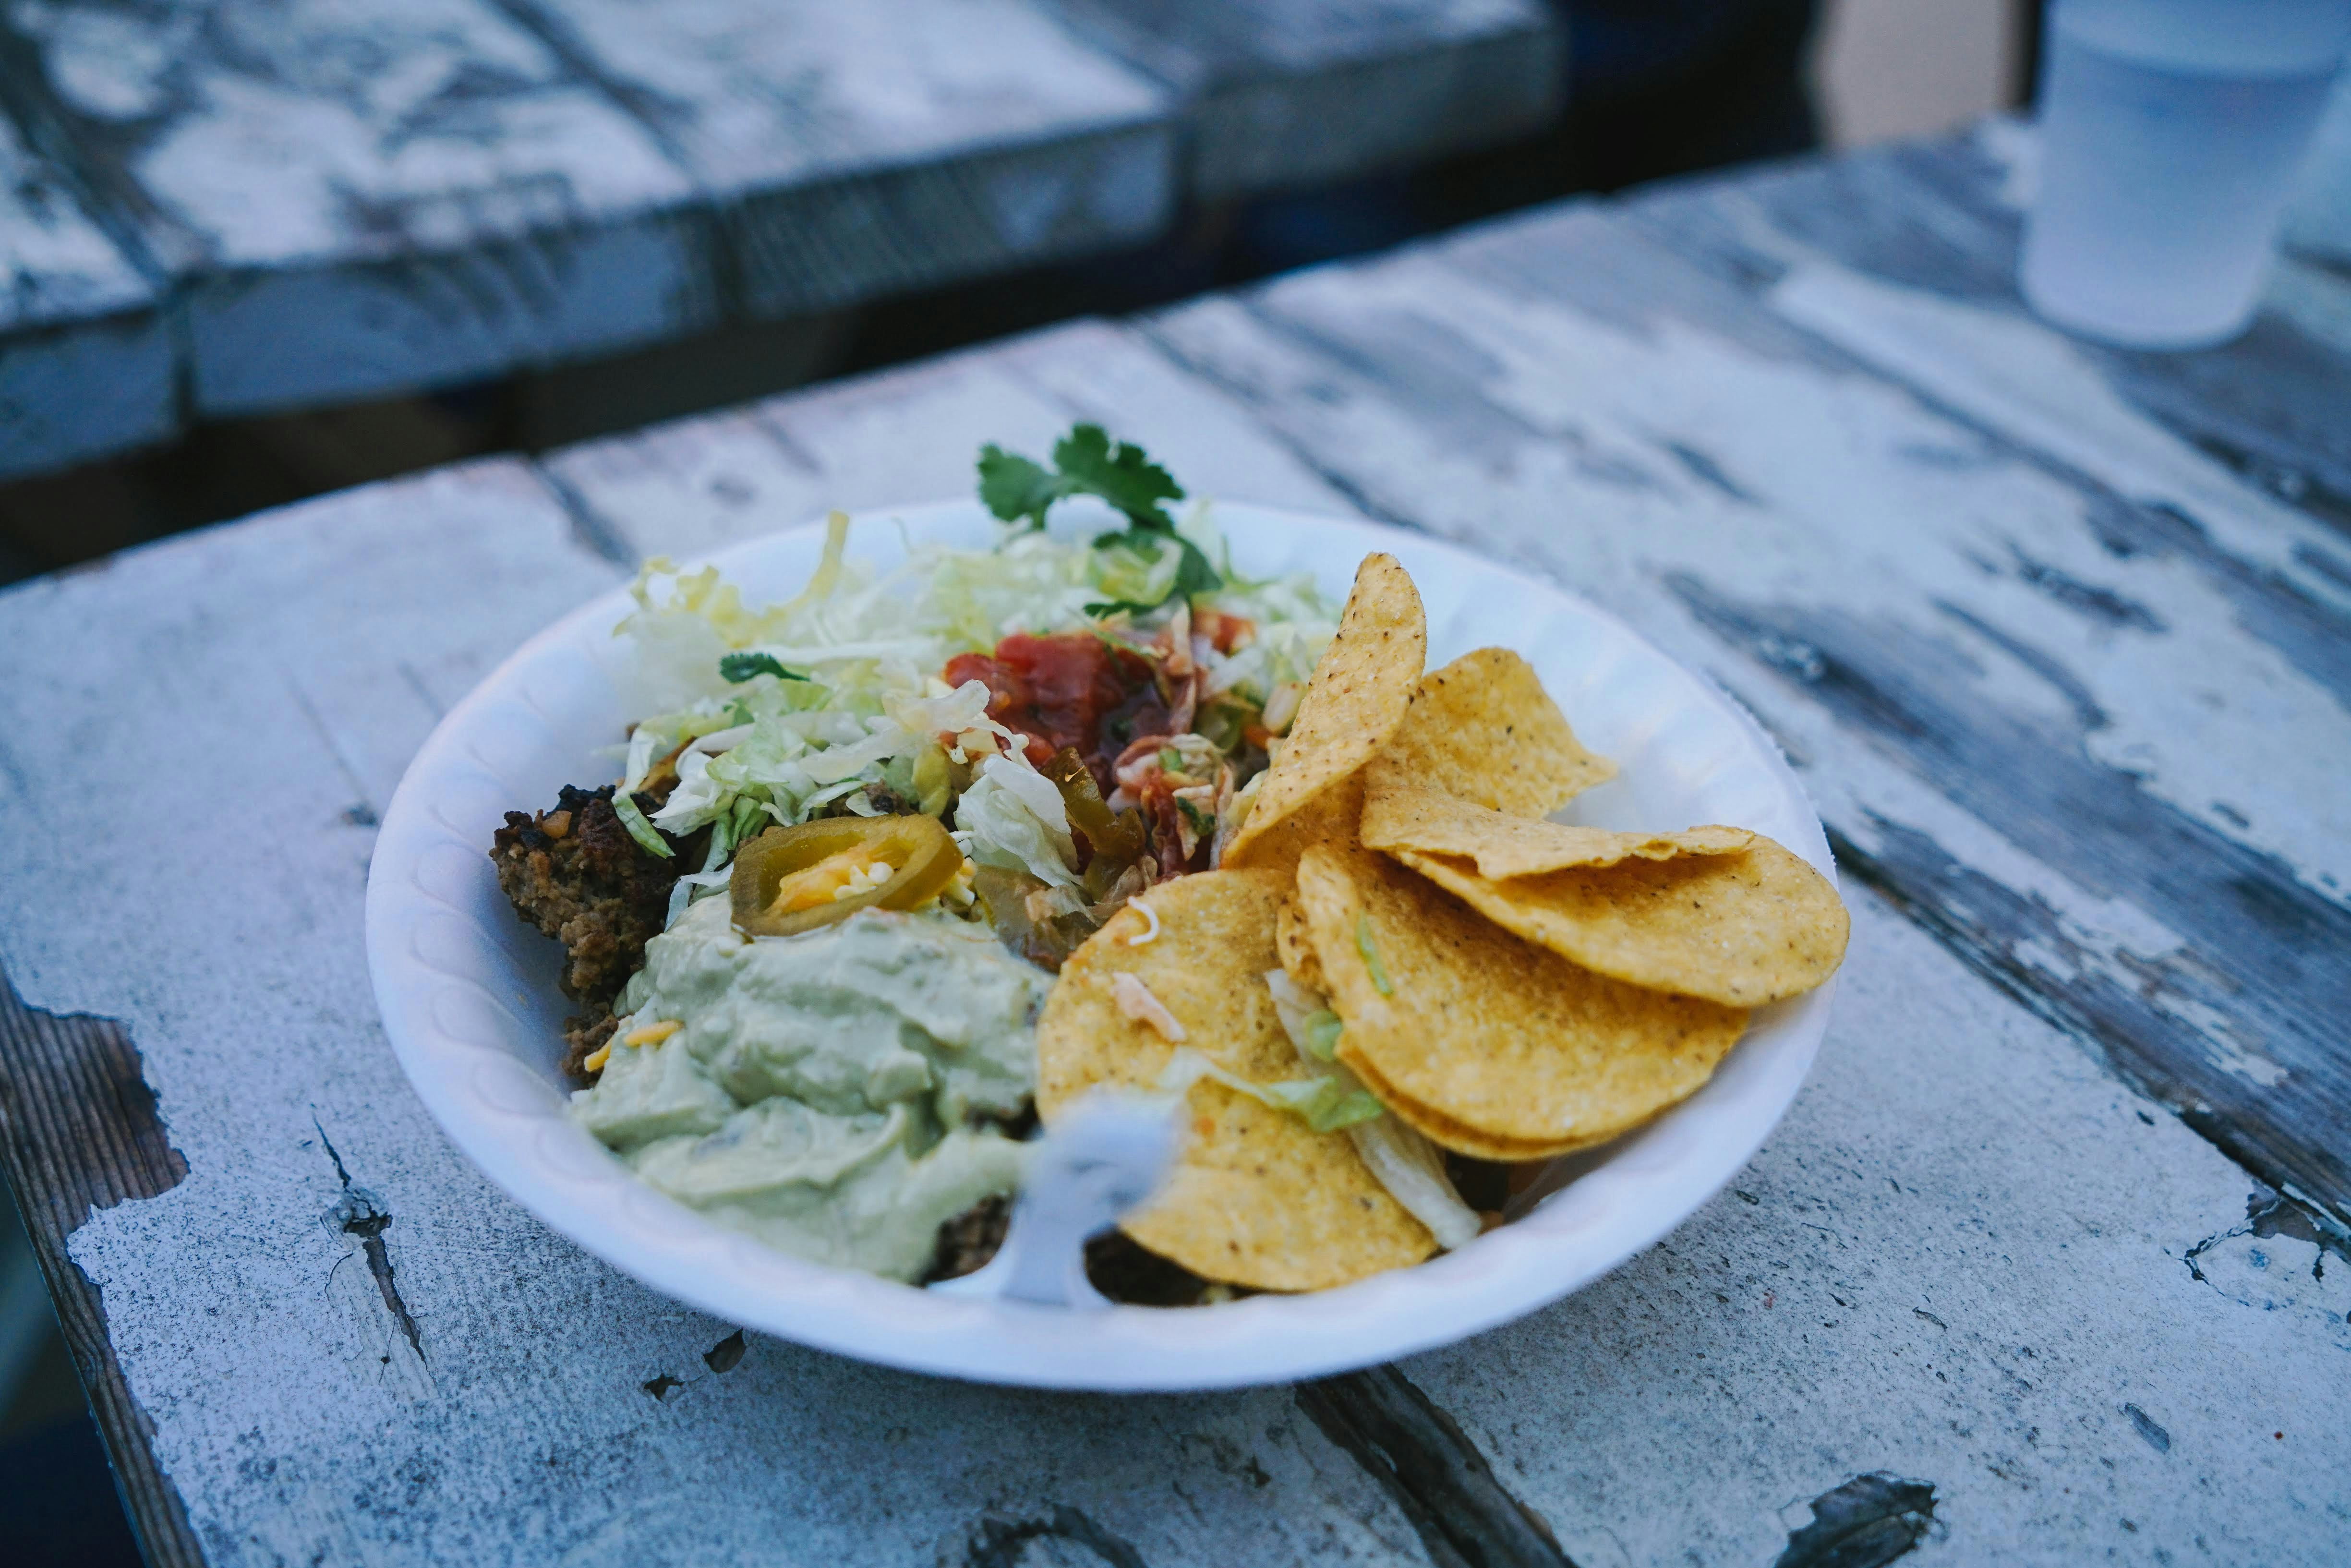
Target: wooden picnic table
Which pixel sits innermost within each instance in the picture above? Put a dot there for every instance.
(2037, 1269)
(211, 208)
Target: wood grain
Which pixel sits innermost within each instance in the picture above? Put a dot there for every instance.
(79, 1133)
(2265, 960)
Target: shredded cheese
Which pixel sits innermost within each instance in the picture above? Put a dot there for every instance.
(837, 877)
(1140, 937)
(653, 1033)
(595, 1060)
(1136, 1002)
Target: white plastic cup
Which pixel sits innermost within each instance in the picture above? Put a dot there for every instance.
(2171, 134)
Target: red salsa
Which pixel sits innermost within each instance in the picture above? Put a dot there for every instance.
(1072, 689)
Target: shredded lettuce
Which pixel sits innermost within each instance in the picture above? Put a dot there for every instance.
(1404, 1162)
(633, 819)
(1371, 954)
(1294, 623)
(1326, 1103)
(824, 701)
(1409, 1166)
(1012, 817)
(1320, 1035)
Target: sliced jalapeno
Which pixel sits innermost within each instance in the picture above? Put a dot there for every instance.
(1116, 839)
(791, 880)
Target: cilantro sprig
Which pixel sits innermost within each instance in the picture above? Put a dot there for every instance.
(1086, 462)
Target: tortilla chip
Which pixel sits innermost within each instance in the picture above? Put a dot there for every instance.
(1449, 1133)
(1484, 1042)
(1331, 818)
(1352, 704)
(1257, 1198)
(1483, 728)
(1741, 929)
(1295, 948)
(1400, 815)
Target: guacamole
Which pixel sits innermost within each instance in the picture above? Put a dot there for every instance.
(822, 1091)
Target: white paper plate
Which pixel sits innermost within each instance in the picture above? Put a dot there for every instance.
(470, 1003)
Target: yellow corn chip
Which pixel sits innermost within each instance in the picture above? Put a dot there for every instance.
(1257, 1197)
(1741, 929)
(1483, 728)
(1447, 1132)
(1295, 948)
(1401, 815)
(1485, 1042)
(1352, 705)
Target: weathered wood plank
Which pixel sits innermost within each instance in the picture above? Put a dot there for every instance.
(1945, 217)
(85, 363)
(1969, 1257)
(354, 200)
(79, 1133)
(348, 202)
(862, 150)
(910, 436)
(1304, 91)
(1964, 1260)
(2235, 463)
(298, 655)
(2089, 741)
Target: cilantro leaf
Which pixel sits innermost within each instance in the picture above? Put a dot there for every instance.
(1091, 464)
(1196, 575)
(1013, 487)
(740, 667)
(1086, 462)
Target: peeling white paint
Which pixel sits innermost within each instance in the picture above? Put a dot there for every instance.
(1847, 519)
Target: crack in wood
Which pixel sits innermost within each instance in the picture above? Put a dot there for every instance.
(2268, 1213)
(2101, 604)
(590, 530)
(1421, 1458)
(361, 1215)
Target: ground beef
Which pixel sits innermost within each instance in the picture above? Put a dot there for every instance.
(967, 1241)
(1118, 1267)
(576, 874)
